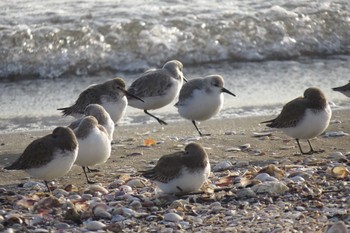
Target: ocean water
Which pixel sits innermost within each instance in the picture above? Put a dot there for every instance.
(269, 52)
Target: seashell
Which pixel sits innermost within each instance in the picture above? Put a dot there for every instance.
(13, 218)
(337, 156)
(47, 203)
(136, 183)
(244, 146)
(97, 188)
(34, 185)
(273, 170)
(26, 202)
(262, 134)
(271, 187)
(298, 179)
(40, 230)
(172, 217)
(232, 149)
(265, 177)
(222, 166)
(340, 172)
(60, 192)
(335, 134)
(94, 225)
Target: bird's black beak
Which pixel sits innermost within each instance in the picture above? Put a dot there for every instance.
(185, 79)
(131, 95)
(227, 91)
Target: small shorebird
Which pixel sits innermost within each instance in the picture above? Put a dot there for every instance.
(343, 89)
(157, 87)
(49, 157)
(101, 116)
(110, 94)
(201, 98)
(94, 144)
(304, 117)
(181, 172)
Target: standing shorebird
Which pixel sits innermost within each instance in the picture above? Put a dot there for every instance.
(101, 116)
(304, 117)
(202, 98)
(110, 94)
(343, 89)
(49, 157)
(181, 172)
(157, 87)
(94, 144)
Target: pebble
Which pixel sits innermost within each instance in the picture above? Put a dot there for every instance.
(245, 193)
(97, 188)
(172, 217)
(337, 156)
(265, 177)
(222, 166)
(136, 183)
(94, 225)
(34, 185)
(62, 226)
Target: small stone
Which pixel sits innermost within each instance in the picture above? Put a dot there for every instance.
(245, 193)
(265, 177)
(337, 156)
(62, 226)
(172, 217)
(94, 225)
(338, 227)
(222, 166)
(97, 188)
(242, 164)
(136, 183)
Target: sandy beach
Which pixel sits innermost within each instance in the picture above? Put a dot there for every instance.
(129, 155)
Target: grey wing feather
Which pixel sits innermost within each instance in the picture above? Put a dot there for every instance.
(290, 115)
(140, 87)
(167, 168)
(41, 148)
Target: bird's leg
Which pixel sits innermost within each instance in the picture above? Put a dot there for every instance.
(47, 186)
(305, 153)
(200, 133)
(311, 149)
(87, 178)
(159, 120)
(179, 188)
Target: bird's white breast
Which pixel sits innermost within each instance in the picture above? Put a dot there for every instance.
(312, 124)
(201, 105)
(61, 163)
(187, 181)
(93, 149)
(116, 109)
